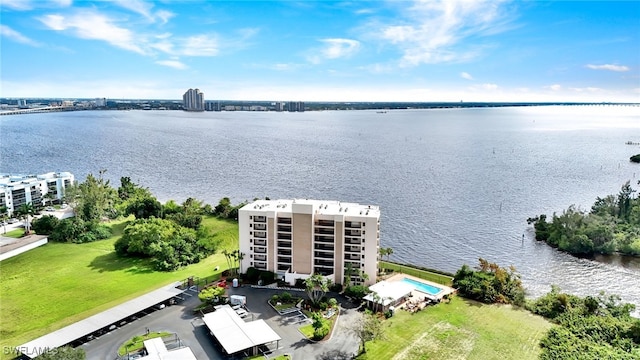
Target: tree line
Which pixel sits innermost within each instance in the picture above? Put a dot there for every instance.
(171, 235)
(612, 225)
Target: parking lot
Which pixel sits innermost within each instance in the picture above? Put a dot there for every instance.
(190, 328)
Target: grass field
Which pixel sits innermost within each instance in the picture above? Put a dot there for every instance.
(461, 329)
(16, 233)
(423, 274)
(58, 284)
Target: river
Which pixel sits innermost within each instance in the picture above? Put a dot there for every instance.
(453, 184)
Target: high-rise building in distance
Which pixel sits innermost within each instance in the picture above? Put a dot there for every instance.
(193, 100)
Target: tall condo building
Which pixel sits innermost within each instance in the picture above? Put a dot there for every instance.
(193, 100)
(297, 238)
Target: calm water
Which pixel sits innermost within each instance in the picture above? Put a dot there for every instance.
(453, 185)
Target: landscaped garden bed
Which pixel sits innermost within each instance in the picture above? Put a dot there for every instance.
(136, 343)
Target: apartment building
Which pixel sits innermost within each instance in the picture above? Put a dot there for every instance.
(16, 190)
(297, 238)
(193, 100)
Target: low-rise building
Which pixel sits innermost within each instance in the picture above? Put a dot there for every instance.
(16, 190)
(298, 238)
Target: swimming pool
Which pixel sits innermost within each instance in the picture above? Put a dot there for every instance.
(425, 288)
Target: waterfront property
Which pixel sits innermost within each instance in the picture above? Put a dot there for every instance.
(16, 190)
(400, 288)
(297, 238)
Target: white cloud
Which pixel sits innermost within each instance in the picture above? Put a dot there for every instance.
(338, 48)
(334, 49)
(433, 31)
(199, 45)
(466, 75)
(62, 3)
(145, 9)
(554, 87)
(19, 5)
(94, 26)
(609, 67)
(489, 86)
(172, 64)
(586, 89)
(13, 35)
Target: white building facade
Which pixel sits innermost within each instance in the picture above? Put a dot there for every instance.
(297, 238)
(16, 190)
(193, 100)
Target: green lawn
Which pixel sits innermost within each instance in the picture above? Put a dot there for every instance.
(58, 284)
(423, 274)
(16, 233)
(462, 329)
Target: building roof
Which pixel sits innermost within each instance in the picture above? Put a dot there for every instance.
(319, 207)
(158, 351)
(99, 321)
(234, 334)
(388, 292)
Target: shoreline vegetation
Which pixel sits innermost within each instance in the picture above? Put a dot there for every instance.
(118, 270)
(612, 226)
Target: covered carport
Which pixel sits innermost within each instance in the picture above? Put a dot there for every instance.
(235, 335)
(100, 321)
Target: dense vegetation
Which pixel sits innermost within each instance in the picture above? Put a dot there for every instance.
(589, 328)
(171, 235)
(490, 284)
(612, 225)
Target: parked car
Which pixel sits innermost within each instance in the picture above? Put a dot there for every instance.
(50, 208)
(64, 206)
(12, 221)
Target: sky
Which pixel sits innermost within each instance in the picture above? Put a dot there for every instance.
(424, 51)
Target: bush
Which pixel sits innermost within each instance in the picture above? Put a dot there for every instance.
(356, 291)
(333, 302)
(267, 277)
(321, 332)
(286, 297)
(275, 298)
(388, 314)
(335, 287)
(252, 274)
(45, 225)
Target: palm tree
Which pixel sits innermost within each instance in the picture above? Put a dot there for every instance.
(240, 258)
(4, 212)
(26, 210)
(389, 252)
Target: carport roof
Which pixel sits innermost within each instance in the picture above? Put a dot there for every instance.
(234, 334)
(96, 322)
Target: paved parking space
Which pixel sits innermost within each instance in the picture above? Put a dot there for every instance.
(190, 328)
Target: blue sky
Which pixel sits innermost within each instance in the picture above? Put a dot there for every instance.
(322, 50)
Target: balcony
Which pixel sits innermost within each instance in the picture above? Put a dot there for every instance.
(260, 242)
(284, 244)
(283, 220)
(348, 232)
(260, 250)
(324, 231)
(260, 227)
(323, 247)
(286, 252)
(324, 238)
(284, 228)
(286, 260)
(353, 224)
(327, 263)
(323, 271)
(282, 236)
(323, 255)
(284, 267)
(355, 249)
(260, 219)
(352, 241)
(324, 223)
(260, 234)
(260, 257)
(353, 257)
(260, 265)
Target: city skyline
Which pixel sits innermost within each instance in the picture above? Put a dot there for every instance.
(322, 51)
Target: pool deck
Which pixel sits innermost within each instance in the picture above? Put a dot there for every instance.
(419, 294)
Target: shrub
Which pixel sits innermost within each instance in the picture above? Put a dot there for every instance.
(321, 332)
(285, 297)
(388, 314)
(357, 291)
(45, 225)
(333, 302)
(267, 277)
(253, 274)
(323, 306)
(335, 287)
(275, 298)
